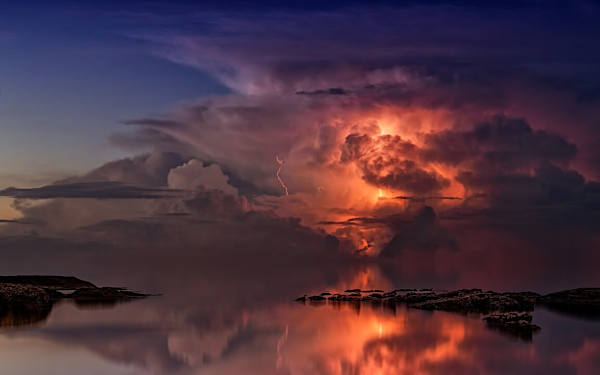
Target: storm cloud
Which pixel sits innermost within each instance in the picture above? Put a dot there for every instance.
(431, 139)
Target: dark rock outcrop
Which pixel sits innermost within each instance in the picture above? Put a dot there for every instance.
(105, 296)
(477, 301)
(513, 323)
(17, 295)
(23, 304)
(26, 300)
(507, 312)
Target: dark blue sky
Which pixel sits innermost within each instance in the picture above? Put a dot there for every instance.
(68, 75)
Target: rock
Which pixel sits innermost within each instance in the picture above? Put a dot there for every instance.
(105, 296)
(517, 324)
(412, 297)
(474, 301)
(22, 305)
(462, 300)
(26, 300)
(16, 296)
(301, 299)
(508, 312)
(509, 317)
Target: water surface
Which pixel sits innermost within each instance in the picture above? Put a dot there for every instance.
(195, 332)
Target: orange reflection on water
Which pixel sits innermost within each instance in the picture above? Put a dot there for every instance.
(300, 339)
(341, 339)
(365, 279)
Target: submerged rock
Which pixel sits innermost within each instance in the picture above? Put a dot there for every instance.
(514, 323)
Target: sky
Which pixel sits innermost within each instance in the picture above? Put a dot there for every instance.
(452, 141)
(71, 75)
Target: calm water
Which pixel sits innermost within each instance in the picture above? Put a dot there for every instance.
(227, 308)
(205, 329)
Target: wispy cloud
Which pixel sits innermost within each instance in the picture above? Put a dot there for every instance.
(95, 190)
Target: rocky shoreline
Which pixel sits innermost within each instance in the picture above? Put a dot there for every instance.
(507, 312)
(26, 300)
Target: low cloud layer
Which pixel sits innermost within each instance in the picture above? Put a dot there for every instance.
(97, 190)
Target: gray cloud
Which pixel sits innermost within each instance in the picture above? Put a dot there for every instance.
(152, 122)
(329, 91)
(144, 170)
(143, 138)
(404, 175)
(96, 190)
(502, 144)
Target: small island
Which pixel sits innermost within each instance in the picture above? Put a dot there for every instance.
(26, 300)
(507, 312)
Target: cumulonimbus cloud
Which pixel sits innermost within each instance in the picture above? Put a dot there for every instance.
(377, 132)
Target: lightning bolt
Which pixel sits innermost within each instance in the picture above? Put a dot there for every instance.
(282, 340)
(280, 163)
